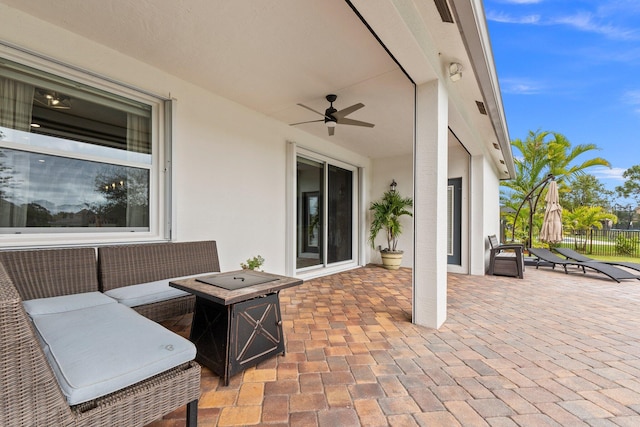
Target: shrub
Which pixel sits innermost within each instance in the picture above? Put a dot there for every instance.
(626, 246)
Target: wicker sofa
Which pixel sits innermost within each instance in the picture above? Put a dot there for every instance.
(132, 272)
(34, 388)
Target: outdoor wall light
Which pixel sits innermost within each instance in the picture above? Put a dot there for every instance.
(393, 185)
(455, 71)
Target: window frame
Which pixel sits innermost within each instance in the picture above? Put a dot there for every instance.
(160, 201)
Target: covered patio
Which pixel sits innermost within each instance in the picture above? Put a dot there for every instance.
(549, 350)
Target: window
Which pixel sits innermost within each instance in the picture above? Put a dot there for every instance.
(76, 158)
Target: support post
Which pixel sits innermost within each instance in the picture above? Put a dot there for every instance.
(430, 205)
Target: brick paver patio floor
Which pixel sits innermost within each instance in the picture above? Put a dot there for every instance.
(549, 350)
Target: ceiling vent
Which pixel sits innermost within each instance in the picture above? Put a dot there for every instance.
(443, 9)
(481, 107)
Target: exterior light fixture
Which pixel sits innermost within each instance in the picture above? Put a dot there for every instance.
(455, 71)
(393, 185)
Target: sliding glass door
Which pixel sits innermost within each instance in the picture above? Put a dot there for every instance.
(325, 221)
(310, 218)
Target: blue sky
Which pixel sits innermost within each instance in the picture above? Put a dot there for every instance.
(573, 67)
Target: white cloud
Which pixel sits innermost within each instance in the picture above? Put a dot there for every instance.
(508, 19)
(522, 1)
(617, 7)
(520, 86)
(632, 97)
(606, 173)
(582, 21)
(585, 22)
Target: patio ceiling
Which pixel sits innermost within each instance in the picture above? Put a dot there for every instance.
(269, 56)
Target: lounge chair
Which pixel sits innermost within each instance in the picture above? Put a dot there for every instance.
(612, 272)
(506, 260)
(577, 256)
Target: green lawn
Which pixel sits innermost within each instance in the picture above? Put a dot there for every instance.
(616, 258)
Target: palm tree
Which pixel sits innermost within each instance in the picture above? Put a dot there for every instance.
(386, 215)
(582, 219)
(562, 157)
(543, 153)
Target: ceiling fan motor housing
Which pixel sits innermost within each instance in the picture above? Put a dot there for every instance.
(328, 114)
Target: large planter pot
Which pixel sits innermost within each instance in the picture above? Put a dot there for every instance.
(391, 260)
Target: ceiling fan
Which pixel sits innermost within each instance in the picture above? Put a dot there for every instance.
(333, 117)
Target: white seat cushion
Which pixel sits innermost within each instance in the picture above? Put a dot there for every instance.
(148, 293)
(66, 303)
(98, 350)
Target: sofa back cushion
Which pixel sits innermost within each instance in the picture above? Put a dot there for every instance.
(51, 272)
(126, 265)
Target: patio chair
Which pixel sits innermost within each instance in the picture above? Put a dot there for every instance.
(612, 272)
(577, 256)
(506, 260)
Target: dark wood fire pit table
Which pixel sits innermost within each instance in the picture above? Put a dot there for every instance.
(236, 323)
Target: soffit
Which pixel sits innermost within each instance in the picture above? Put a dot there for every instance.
(269, 56)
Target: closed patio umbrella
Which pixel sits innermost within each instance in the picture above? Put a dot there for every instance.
(551, 231)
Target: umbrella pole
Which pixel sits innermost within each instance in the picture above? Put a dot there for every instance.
(528, 198)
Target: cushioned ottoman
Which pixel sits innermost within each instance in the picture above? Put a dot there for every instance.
(97, 346)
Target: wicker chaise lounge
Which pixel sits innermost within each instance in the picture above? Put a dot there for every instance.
(577, 256)
(612, 272)
(30, 392)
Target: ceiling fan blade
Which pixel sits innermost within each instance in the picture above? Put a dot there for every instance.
(331, 130)
(355, 123)
(311, 109)
(310, 121)
(346, 111)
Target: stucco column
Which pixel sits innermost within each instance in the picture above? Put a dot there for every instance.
(430, 206)
(478, 252)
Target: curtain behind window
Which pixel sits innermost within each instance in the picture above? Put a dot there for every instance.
(16, 104)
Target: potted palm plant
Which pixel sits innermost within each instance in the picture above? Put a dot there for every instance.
(386, 216)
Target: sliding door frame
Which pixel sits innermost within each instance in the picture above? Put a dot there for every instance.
(324, 268)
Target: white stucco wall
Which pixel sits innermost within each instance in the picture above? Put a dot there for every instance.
(484, 209)
(383, 171)
(492, 201)
(491, 208)
(229, 162)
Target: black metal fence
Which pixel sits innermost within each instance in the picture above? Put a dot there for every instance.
(605, 242)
